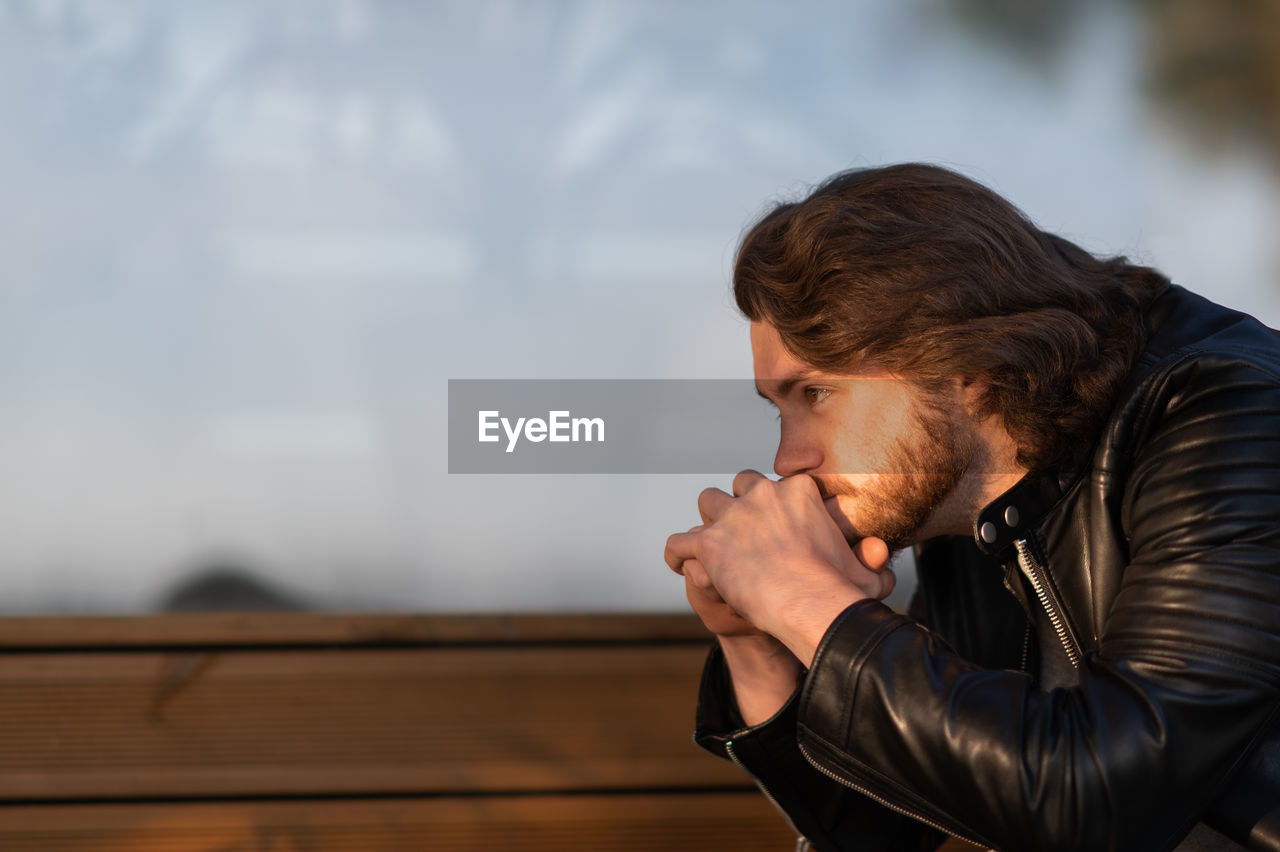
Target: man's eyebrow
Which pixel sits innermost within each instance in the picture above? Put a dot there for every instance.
(785, 385)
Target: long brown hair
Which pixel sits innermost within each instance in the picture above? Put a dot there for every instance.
(925, 273)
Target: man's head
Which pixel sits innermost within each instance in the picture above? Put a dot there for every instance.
(917, 272)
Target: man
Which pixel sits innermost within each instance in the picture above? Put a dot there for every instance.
(1086, 459)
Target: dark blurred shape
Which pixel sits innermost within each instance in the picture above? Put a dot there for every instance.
(1036, 33)
(1212, 65)
(226, 587)
(1216, 65)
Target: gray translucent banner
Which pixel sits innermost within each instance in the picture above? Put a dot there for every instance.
(608, 426)
(847, 426)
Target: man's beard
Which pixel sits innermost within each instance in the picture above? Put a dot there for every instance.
(922, 470)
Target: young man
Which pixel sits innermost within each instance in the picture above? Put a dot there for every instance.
(1086, 459)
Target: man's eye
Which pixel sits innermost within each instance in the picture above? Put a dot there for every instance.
(816, 395)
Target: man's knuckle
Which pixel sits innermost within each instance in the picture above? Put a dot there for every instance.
(706, 495)
(711, 543)
(799, 484)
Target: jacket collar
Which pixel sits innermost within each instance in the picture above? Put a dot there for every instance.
(1016, 512)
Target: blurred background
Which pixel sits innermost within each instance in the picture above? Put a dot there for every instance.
(245, 244)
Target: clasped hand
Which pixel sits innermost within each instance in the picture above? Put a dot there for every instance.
(771, 559)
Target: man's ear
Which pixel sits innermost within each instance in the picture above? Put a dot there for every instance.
(971, 390)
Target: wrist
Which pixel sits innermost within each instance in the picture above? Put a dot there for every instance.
(753, 655)
(764, 674)
(804, 624)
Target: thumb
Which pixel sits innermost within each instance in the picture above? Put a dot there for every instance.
(872, 552)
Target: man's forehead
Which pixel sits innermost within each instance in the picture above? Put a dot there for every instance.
(778, 370)
(769, 355)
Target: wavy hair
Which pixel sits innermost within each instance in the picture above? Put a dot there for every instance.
(920, 271)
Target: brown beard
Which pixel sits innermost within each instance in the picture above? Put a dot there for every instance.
(924, 469)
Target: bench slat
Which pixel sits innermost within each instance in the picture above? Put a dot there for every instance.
(743, 822)
(313, 628)
(351, 721)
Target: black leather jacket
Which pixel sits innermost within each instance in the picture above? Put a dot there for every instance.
(1155, 559)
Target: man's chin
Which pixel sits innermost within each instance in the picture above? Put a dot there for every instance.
(896, 538)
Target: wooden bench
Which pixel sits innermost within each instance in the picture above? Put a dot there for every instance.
(292, 731)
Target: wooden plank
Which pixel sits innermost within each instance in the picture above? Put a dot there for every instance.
(743, 822)
(351, 721)
(309, 628)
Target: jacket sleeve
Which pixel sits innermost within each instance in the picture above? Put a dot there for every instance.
(823, 811)
(1183, 677)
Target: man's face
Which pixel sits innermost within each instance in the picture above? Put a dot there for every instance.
(883, 454)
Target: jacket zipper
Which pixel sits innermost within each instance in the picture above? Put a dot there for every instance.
(801, 842)
(1026, 650)
(883, 801)
(1033, 571)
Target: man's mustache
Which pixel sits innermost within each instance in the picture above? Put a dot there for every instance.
(834, 488)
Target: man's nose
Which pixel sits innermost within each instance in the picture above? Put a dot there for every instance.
(796, 454)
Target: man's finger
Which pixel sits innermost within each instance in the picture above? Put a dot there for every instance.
(697, 575)
(804, 482)
(679, 549)
(693, 572)
(711, 502)
(832, 506)
(889, 581)
(746, 480)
